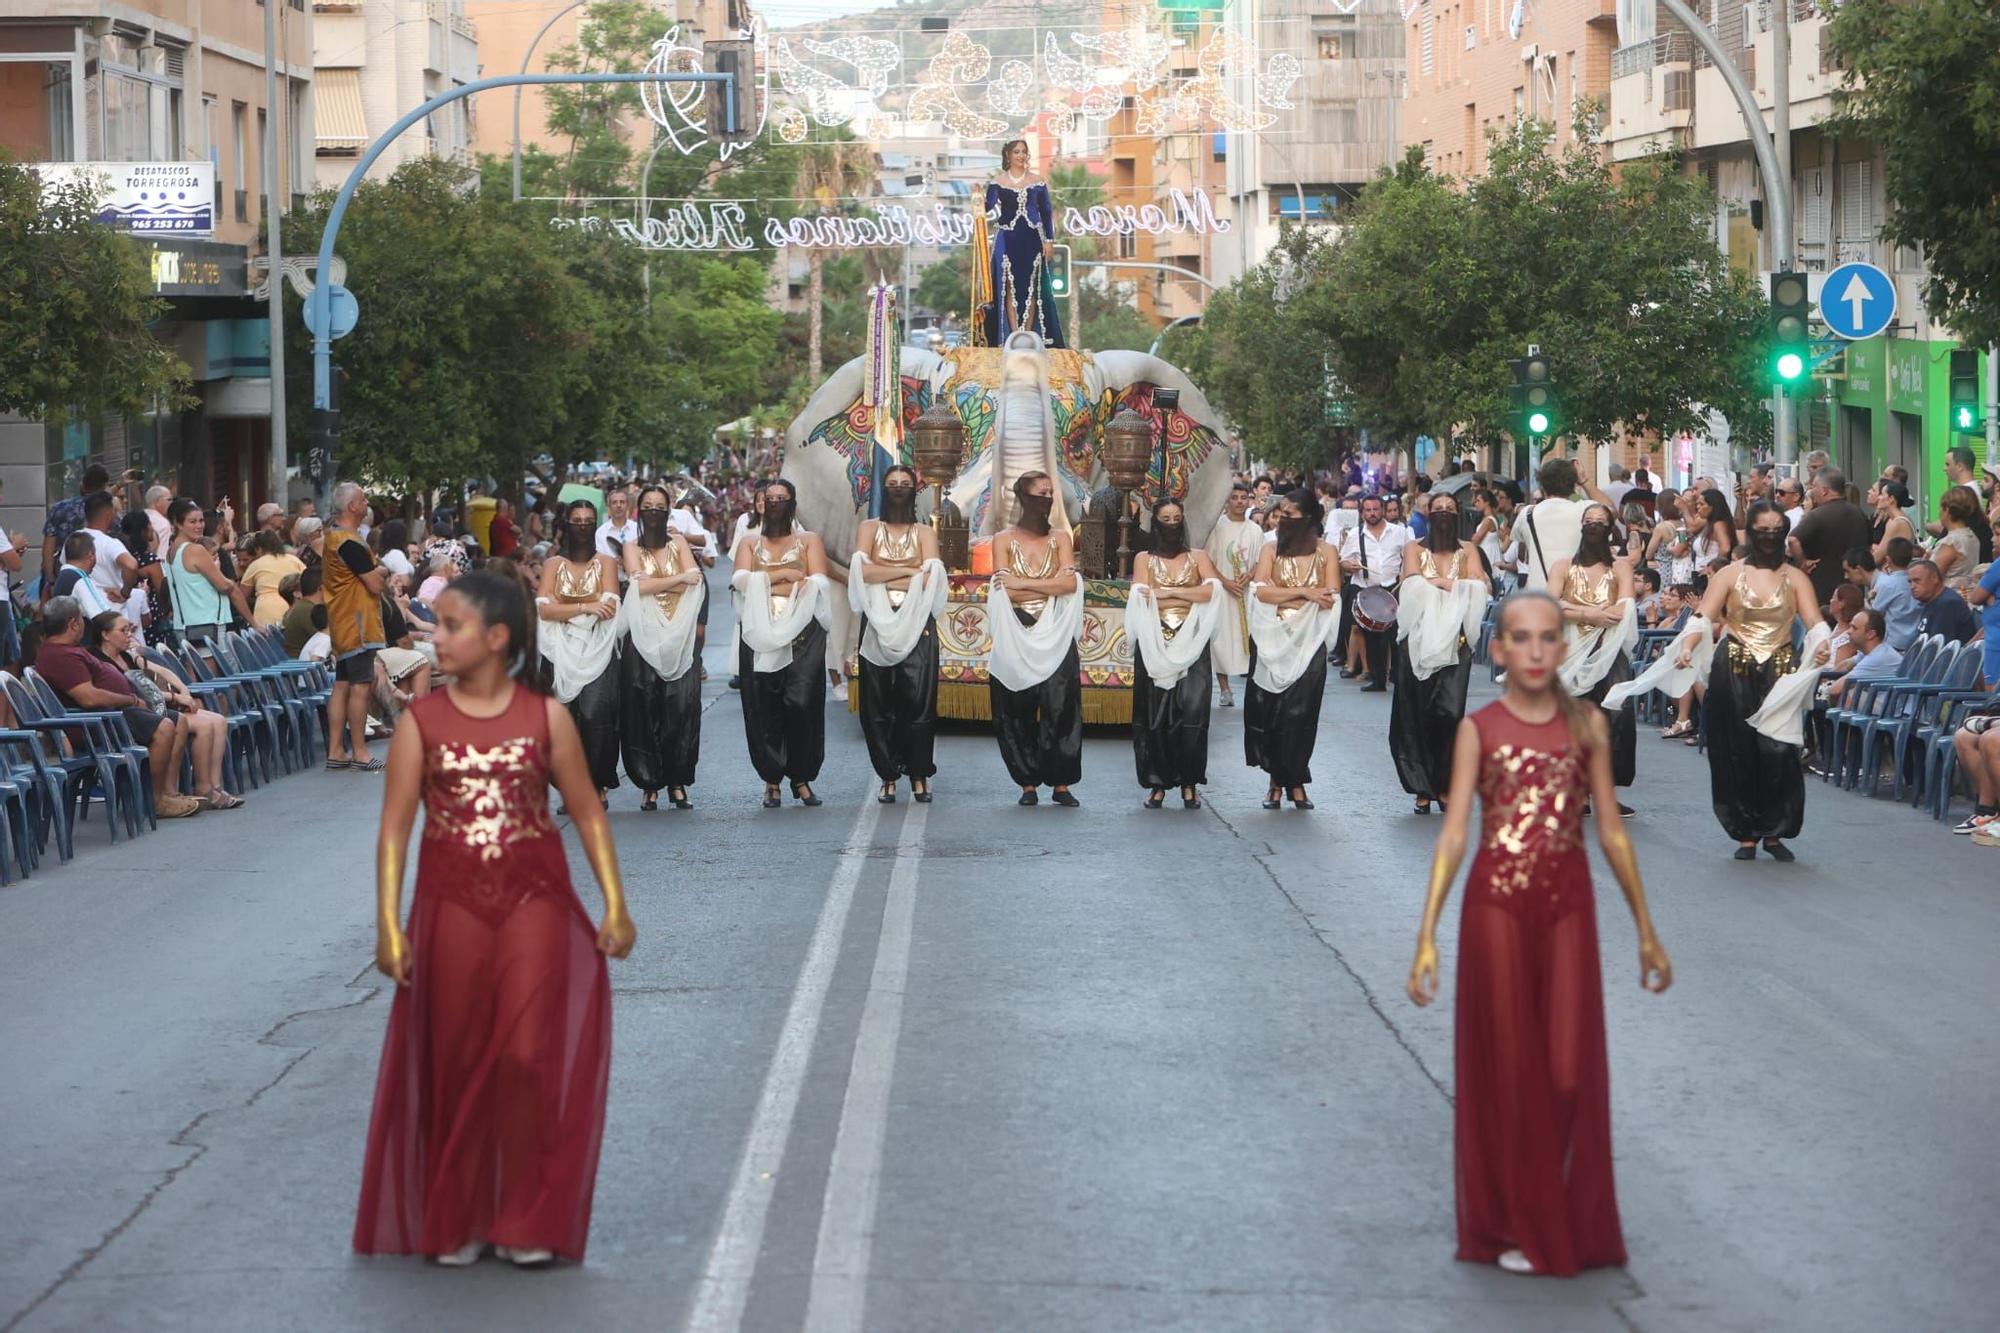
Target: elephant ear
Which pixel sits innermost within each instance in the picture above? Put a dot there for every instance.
(828, 448)
(1193, 467)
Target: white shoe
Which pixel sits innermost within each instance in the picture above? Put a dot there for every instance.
(1516, 1262)
(525, 1258)
(840, 691)
(462, 1257)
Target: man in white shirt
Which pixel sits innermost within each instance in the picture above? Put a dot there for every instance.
(702, 542)
(1371, 556)
(620, 526)
(1551, 528)
(114, 562)
(1789, 494)
(157, 500)
(1618, 487)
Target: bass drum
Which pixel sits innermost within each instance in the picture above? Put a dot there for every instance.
(1375, 610)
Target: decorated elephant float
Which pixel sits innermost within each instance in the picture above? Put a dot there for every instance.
(1020, 408)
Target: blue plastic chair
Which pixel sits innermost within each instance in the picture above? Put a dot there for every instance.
(1861, 700)
(1914, 708)
(101, 760)
(1939, 754)
(240, 747)
(232, 698)
(1891, 701)
(26, 763)
(121, 734)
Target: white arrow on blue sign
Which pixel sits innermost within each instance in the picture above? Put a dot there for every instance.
(345, 310)
(1857, 301)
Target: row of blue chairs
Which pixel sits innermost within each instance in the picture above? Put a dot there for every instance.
(56, 759)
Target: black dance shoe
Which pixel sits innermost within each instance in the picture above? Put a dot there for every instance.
(921, 795)
(771, 798)
(803, 794)
(679, 797)
(1271, 801)
(1747, 853)
(1157, 799)
(1062, 797)
(1779, 852)
(1029, 798)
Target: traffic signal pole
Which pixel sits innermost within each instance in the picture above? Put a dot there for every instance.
(1776, 171)
(326, 431)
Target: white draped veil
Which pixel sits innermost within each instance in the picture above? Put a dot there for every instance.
(666, 642)
(893, 631)
(1026, 655)
(770, 636)
(1782, 717)
(579, 648)
(1429, 621)
(1168, 660)
(1663, 675)
(1285, 648)
(1594, 648)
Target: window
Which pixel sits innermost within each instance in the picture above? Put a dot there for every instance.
(239, 130)
(1857, 211)
(1425, 58)
(1329, 46)
(40, 126)
(139, 96)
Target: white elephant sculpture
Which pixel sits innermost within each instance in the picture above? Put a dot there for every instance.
(1023, 407)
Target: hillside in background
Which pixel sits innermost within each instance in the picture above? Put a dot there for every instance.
(1005, 27)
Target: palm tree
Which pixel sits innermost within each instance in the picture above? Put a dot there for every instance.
(832, 175)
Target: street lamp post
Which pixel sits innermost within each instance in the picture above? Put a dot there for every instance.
(526, 56)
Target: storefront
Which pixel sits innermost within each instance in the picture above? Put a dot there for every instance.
(1893, 406)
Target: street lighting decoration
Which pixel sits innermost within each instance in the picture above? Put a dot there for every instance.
(1789, 342)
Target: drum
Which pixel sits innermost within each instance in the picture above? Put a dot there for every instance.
(1375, 610)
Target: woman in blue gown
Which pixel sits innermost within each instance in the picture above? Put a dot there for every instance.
(1023, 230)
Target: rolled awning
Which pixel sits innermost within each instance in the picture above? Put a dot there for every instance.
(337, 118)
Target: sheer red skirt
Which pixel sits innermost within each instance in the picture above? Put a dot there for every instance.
(1533, 1119)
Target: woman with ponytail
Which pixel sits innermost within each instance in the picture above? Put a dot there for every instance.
(577, 606)
(660, 693)
(1532, 1124)
(489, 1104)
(897, 586)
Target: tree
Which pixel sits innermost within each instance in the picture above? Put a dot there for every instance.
(1922, 82)
(831, 176)
(614, 36)
(75, 305)
(1107, 311)
(1257, 358)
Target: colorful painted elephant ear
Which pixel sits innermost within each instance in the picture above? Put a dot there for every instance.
(1191, 464)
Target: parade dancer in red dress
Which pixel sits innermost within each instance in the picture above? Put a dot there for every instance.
(1533, 1113)
(489, 1106)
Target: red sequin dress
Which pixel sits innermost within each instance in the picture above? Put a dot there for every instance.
(489, 1106)
(1533, 1115)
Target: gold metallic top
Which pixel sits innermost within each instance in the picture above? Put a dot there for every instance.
(794, 557)
(1173, 616)
(1298, 571)
(890, 549)
(1762, 627)
(579, 583)
(1577, 587)
(1427, 565)
(1017, 563)
(663, 563)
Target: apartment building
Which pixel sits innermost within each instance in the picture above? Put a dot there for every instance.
(375, 61)
(1878, 401)
(165, 81)
(1479, 67)
(518, 33)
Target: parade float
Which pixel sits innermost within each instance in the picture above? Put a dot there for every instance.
(1105, 425)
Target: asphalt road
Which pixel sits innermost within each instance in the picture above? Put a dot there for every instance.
(973, 1066)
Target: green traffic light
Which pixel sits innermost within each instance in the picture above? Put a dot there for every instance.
(1965, 418)
(1790, 366)
(1538, 423)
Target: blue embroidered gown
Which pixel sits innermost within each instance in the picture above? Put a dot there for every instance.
(1022, 221)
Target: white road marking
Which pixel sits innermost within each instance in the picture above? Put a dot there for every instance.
(724, 1289)
(853, 1182)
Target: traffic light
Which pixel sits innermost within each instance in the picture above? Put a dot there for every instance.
(1965, 415)
(730, 56)
(1535, 409)
(1059, 273)
(1790, 348)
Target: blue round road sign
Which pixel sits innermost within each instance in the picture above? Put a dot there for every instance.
(1858, 301)
(343, 308)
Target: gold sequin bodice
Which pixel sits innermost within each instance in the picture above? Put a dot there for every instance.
(663, 563)
(1045, 568)
(1533, 784)
(1762, 626)
(579, 583)
(1427, 566)
(1173, 616)
(1298, 571)
(1583, 590)
(888, 548)
(794, 557)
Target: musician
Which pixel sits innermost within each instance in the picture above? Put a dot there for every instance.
(1371, 556)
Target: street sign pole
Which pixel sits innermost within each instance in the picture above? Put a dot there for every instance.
(326, 432)
(274, 275)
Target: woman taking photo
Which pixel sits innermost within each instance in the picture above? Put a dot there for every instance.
(577, 606)
(1441, 602)
(660, 701)
(1171, 612)
(896, 584)
(1294, 606)
(781, 607)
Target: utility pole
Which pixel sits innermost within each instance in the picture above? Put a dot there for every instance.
(1993, 406)
(274, 251)
(1784, 423)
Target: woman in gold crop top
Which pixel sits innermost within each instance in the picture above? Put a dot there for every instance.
(898, 704)
(1593, 586)
(1297, 575)
(784, 711)
(579, 593)
(1757, 784)
(662, 717)
(1170, 725)
(1040, 730)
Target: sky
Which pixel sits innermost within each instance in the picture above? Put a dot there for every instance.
(789, 13)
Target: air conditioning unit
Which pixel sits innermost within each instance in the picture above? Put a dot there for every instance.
(1471, 37)
(1528, 54)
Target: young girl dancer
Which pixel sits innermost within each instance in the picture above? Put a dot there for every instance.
(1533, 1119)
(489, 1106)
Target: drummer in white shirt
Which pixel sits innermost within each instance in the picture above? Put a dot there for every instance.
(1371, 556)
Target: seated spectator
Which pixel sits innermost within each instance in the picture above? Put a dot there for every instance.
(1876, 660)
(1986, 596)
(319, 647)
(1648, 606)
(74, 579)
(1944, 611)
(261, 577)
(402, 671)
(1845, 645)
(298, 621)
(1889, 593)
(1978, 744)
(111, 637)
(90, 684)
